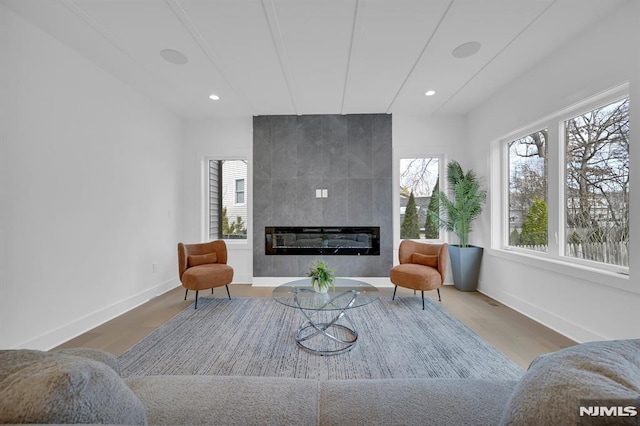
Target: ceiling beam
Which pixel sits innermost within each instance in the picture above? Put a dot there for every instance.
(277, 38)
(208, 51)
(350, 55)
(493, 58)
(94, 25)
(419, 58)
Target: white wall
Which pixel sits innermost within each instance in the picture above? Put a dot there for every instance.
(233, 138)
(230, 138)
(98, 184)
(90, 192)
(579, 303)
(418, 136)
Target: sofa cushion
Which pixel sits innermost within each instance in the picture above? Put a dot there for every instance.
(556, 384)
(201, 259)
(52, 387)
(95, 354)
(425, 259)
(422, 402)
(227, 400)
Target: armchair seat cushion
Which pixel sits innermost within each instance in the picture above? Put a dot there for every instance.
(207, 276)
(416, 276)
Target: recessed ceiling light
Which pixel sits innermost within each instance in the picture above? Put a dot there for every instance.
(214, 97)
(430, 92)
(466, 49)
(174, 57)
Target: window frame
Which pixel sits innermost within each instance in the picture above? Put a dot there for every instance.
(556, 180)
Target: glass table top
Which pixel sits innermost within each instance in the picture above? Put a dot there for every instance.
(300, 294)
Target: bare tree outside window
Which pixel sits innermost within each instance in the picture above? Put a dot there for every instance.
(418, 180)
(589, 216)
(528, 175)
(597, 184)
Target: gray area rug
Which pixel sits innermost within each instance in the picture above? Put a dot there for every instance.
(254, 337)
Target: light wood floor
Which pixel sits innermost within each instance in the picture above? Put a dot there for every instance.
(518, 337)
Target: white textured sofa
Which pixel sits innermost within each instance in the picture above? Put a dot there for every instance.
(84, 386)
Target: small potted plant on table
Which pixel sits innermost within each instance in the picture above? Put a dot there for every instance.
(321, 276)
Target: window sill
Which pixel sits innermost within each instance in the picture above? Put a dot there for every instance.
(606, 278)
(236, 242)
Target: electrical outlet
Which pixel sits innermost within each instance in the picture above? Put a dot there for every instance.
(154, 267)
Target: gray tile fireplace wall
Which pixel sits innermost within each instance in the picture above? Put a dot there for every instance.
(348, 155)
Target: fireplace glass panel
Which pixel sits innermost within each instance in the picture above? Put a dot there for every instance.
(324, 240)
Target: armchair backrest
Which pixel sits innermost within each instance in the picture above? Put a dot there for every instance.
(219, 247)
(409, 247)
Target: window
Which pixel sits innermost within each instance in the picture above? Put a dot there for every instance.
(585, 165)
(528, 173)
(227, 199)
(239, 191)
(419, 178)
(597, 184)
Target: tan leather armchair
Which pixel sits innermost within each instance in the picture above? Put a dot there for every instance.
(422, 267)
(203, 266)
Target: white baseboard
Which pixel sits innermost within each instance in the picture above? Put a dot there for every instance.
(81, 325)
(556, 323)
(242, 279)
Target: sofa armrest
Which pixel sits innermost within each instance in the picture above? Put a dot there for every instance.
(94, 354)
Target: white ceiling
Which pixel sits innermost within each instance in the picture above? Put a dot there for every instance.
(315, 57)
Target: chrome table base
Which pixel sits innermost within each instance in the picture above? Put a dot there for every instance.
(332, 338)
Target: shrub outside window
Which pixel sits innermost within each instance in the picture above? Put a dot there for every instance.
(419, 178)
(528, 204)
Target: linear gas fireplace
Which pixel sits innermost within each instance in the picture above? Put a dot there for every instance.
(323, 240)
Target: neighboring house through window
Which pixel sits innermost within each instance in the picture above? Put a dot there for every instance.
(227, 199)
(240, 191)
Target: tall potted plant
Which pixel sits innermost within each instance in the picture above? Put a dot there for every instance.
(456, 215)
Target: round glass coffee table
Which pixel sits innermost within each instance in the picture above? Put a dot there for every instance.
(327, 329)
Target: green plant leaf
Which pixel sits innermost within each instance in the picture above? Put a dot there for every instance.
(457, 214)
